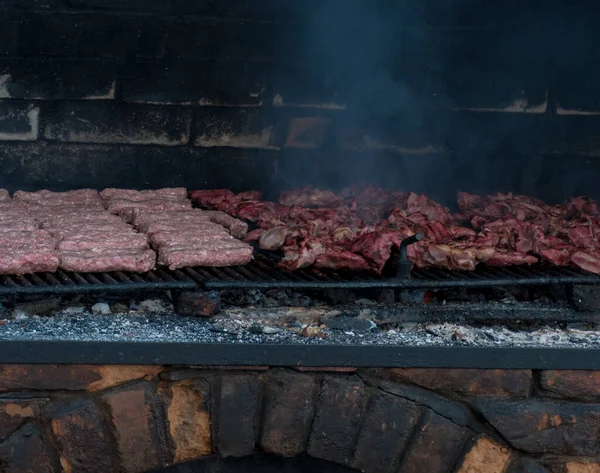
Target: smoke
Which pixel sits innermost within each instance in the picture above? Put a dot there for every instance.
(411, 73)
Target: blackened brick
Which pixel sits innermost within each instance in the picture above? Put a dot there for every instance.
(18, 121)
(150, 36)
(26, 451)
(337, 419)
(248, 41)
(191, 40)
(238, 410)
(29, 4)
(137, 429)
(299, 86)
(68, 35)
(289, 407)
(131, 5)
(50, 79)
(106, 122)
(32, 166)
(8, 36)
(233, 127)
(202, 83)
(388, 424)
(84, 439)
(438, 444)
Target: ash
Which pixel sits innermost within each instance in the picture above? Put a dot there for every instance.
(362, 322)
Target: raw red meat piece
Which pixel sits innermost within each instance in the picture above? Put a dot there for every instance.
(587, 261)
(108, 260)
(310, 197)
(46, 197)
(4, 195)
(176, 193)
(137, 243)
(510, 258)
(206, 257)
(28, 261)
(342, 260)
(236, 227)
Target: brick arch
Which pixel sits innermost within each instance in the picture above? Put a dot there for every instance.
(125, 419)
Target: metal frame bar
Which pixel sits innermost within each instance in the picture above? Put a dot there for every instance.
(294, 355)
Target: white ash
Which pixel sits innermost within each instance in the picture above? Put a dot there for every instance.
(78, 325)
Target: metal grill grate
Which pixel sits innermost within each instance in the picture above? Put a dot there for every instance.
(62, 282)
(263, 273)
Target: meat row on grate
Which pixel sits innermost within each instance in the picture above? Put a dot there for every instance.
(23, 248)
(182, 236)
(88, 238)
(358, 228)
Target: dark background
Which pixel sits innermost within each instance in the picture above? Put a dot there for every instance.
(431, 96)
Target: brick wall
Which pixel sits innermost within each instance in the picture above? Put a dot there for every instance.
(81, 418)
(103, 93)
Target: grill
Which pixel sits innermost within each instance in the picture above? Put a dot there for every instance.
(263, 273)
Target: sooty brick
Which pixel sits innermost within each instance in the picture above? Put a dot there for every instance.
(18, 121)
(74, 35)
(106, 122)
(202, 83)
(51, 79)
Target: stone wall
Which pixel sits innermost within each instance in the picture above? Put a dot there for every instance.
(82, 418)
(109, 93)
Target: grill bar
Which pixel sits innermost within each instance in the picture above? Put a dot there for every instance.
(263, 273)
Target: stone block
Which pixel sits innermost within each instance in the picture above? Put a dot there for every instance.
(437, 444)
(188, 418)
(27, 451)
(572, 384)
(70, 377)
(388, 424)
(239, 403)
(481, 382)
(539, 426)
(486, 456)
(337, 420)
(15, 412)
(137, 428)
(289, 408)
(83, 438)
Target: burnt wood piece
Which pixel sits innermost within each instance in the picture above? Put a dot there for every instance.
(197, 303)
